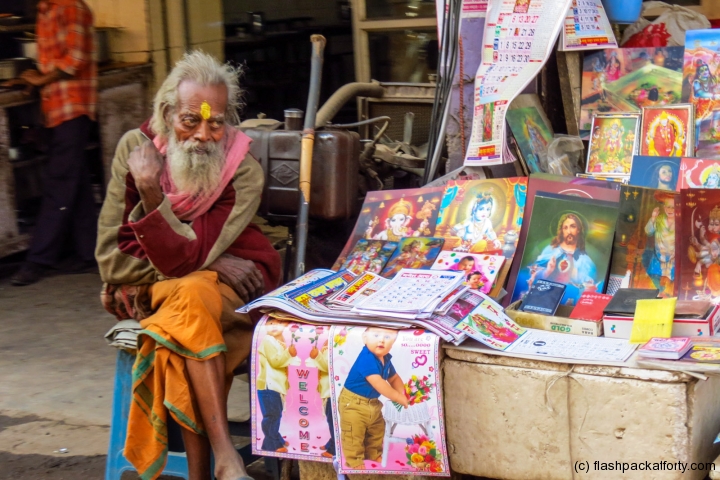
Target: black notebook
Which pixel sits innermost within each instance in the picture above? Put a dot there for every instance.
(543, 298)
(624, 300)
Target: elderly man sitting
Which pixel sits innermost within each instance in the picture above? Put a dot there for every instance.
(178, 253)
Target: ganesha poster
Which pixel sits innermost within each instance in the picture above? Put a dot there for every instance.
(393, 215)
(291, 411)
(701, 73)
(699, 252)
(644, 246)
(387, 408)
(482, 216)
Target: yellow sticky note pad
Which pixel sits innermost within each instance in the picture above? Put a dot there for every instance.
(653, 318)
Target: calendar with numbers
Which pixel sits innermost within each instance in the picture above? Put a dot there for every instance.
(587, 27)
(412, 291)
(577, 347)
(518, 38)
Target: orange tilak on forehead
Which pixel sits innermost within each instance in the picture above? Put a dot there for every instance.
(205, 110)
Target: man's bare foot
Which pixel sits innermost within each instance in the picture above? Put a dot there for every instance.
(282, 450)
(322, 448)
(286, 443)
(229, 468)
(326, 455)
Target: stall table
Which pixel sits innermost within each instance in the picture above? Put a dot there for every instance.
(518, 418)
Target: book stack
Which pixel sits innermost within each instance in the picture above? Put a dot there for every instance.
(665, 348)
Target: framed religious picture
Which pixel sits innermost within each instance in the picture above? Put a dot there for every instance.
(667, 131)
(613, 142)
(618, 80)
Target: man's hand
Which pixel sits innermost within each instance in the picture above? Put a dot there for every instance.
(242, 275)
(35, 78)
(146, 165)
(19, 81)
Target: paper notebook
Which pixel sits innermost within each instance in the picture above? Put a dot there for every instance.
(653, 318)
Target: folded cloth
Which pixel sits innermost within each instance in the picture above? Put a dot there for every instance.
(124, 334)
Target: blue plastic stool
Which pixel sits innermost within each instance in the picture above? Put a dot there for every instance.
(116, 462)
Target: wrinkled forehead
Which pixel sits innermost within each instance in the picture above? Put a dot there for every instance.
(196, 98)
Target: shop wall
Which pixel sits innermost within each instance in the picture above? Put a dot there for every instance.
(324, 12)
(129, 37)
(157, 30)
(171, 35)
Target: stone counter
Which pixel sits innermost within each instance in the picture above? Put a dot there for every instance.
(513, 418)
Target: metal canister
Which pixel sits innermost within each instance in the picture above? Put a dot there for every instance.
(294, 119)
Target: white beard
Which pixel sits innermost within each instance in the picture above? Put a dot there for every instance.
(194, 172)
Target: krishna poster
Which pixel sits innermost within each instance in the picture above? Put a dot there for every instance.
(393, 215)
(482, 216)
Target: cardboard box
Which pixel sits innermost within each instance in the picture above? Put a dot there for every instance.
(617, 326)
(555, 323)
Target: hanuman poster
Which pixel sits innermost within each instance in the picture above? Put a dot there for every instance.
(700, 245)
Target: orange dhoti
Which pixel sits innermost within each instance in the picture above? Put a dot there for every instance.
(194, 318)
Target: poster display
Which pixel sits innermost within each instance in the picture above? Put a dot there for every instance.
(387, 412)
(291, 412)
(518, 38)
(627, 79)
(587, 27)
(700, 87)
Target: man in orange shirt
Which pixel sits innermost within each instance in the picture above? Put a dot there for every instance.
(67, 79)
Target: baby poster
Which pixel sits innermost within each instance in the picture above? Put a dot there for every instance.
(388, 401)
(291, 412)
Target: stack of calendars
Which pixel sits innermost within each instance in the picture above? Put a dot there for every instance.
(435, 300)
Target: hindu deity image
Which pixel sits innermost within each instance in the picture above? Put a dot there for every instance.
(661, 228)
(665, 133)
(393, 215)
(701, 88)
(521, 6)
(476, 216)
(709, 176)
(413, 253)
(700, 251)
(492, 328)
(397, 223)
(705, 94)
(369, 256)
(478, 226)
(612, 144)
